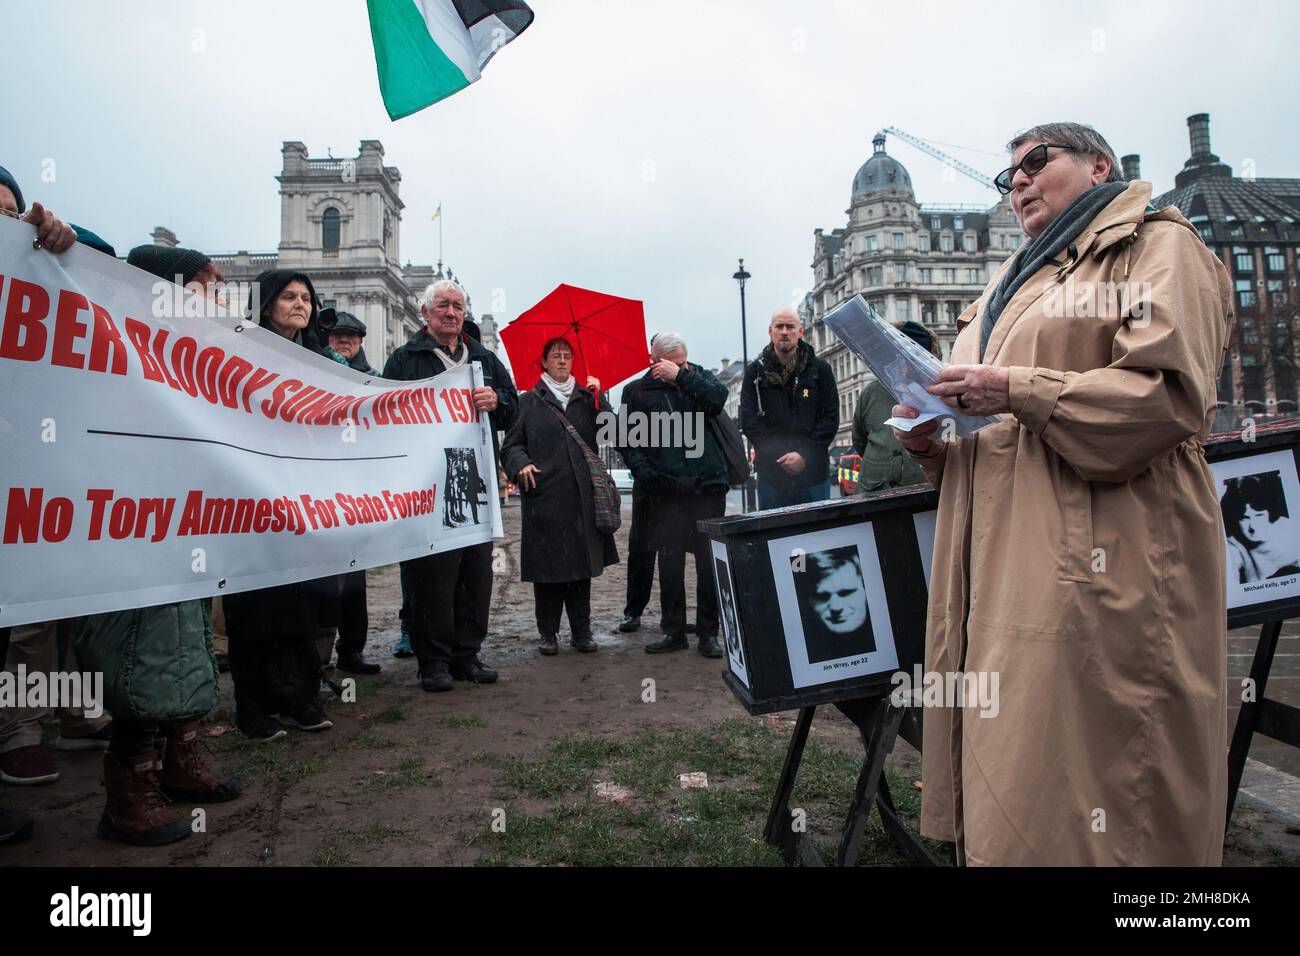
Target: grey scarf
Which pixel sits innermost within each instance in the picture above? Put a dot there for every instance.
(447, 357)
(1060, 232)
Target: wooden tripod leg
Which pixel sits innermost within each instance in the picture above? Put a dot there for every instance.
(877, 740)
(778, 832)
(1248, 716)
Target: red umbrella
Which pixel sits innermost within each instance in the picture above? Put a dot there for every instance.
(607, 334)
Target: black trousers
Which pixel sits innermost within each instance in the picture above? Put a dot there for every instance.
(640, 557)
(451, 594)
(571, 596)
(672, 567)
(354, 621)
(404, 615)
(273, 675)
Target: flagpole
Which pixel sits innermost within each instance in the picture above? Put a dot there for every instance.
(440, 232)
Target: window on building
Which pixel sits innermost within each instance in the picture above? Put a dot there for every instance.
(959, 224)
(923, 242)
(1277, 292)
(330, 231)
(927, 313)
(871, 243)
(1245, 293)
(950, 275)
(1243, 260)
(1013, 241)
(951, 310)
(945, 243)
(1236, 231)
(927, 276)
(904, 308)
(935, 223)
(1206, 231)
(875, 275)
(329, 304)
(972, 275)
(1274, 261)
(968, 243)
(900, 273)
(896, 240)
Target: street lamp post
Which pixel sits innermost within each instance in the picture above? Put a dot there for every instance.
(741, 276)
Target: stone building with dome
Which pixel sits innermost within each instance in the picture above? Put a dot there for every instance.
(910, 261)
(340, 222)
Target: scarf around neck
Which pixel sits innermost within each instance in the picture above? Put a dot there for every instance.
(1060, 232)
(447, 358)
(562, 392)
(778, 372)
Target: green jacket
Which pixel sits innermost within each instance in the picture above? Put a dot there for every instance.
(884, 462)
(157, 662)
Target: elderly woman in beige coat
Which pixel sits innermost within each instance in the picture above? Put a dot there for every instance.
(1079, 551)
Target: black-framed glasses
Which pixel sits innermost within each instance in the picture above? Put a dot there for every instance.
(1032, 163)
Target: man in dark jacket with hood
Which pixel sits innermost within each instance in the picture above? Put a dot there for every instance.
(789, 409)
(451, 592)
(346, 333)
(685, 479)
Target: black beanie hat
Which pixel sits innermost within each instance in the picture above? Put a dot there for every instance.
(8, 180)
(168, 262)
(919, 334)
(95, 241)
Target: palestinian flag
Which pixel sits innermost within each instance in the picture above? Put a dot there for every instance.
(427, 50)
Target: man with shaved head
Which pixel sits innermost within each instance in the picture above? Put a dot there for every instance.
(789, 409)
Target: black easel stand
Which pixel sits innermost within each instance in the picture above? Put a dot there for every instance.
(879, 723)
(1260, 716)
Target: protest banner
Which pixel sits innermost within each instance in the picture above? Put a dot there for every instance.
(157, 448)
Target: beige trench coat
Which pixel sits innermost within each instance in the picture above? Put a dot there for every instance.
(1080, 556)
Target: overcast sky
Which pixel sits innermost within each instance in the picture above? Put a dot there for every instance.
(630, 146)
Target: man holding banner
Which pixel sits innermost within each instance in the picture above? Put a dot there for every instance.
(451, 592)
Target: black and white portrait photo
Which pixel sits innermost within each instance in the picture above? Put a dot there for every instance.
(1260, 531)
(1257, 494)
(464, 497)
(833, 603)
(730, 618)
(833, 608)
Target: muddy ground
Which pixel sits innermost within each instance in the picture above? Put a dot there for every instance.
(411, 778)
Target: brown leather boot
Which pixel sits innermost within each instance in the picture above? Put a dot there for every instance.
(136, 811)
(186, 775)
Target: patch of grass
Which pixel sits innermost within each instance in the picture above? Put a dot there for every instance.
(667, 826)
(269, 760)
(408, 773)
(371, 739)
(393, 713)
(331, 852)
(463, 720)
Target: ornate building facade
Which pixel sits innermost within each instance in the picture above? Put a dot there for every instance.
(340, 222)
(910, 261)
(1251, 224)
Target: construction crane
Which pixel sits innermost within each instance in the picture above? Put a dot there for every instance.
(923, 146)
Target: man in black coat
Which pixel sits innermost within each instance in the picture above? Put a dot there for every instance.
(345, 333)
(685, 478)
(789, 409)
(451, 592)
(346, 336)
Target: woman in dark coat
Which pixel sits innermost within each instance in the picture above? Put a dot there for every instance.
(561, 550)
(273, 658)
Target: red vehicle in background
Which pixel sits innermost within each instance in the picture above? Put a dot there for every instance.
(846, 472)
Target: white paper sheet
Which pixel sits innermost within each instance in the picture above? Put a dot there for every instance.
(902, 366)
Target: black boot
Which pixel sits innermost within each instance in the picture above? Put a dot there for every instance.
(15, 826)
(630, 623)
(581, 640)
(669, 643)
(548, 644)
(709, 646)
(437, 678)
(354, 663)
